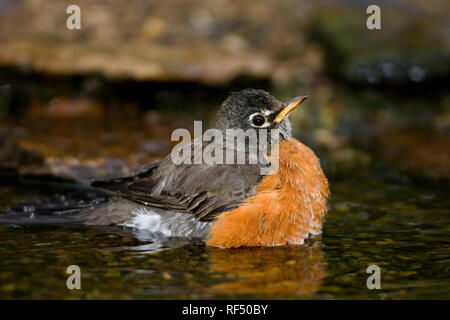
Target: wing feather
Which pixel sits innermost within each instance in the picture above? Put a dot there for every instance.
(202, 190)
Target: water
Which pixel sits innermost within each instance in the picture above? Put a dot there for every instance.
(374, 218)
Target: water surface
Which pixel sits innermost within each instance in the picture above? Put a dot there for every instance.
(374, 218)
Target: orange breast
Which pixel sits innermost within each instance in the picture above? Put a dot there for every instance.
(288, 206)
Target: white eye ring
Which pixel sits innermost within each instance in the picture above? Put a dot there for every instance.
(252, 120)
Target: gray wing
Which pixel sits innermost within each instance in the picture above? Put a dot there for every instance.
(203, 190)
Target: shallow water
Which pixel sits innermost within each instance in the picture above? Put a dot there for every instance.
(374, 218)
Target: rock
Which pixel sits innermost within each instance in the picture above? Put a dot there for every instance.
(13, 156)
(63, 107)
(412, 46)
(441, 122)
(198, 41)
(59, 141)
(421, 153)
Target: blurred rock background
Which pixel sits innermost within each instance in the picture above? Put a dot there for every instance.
(103, 100)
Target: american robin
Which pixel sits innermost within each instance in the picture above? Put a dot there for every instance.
(227, 205)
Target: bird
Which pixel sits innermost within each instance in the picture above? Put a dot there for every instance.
(223, 204)
(226, 205)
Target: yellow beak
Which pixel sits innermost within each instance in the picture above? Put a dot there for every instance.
(288, 106)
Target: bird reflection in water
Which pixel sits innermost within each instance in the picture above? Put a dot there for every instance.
(283, 270)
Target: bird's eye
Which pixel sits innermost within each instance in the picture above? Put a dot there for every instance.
(258, 120)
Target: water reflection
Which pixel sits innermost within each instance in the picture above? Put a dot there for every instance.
(148, 242)
(279, 271)
(286, 270)
(399, 225)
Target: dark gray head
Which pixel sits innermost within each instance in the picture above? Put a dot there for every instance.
(256, 109)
